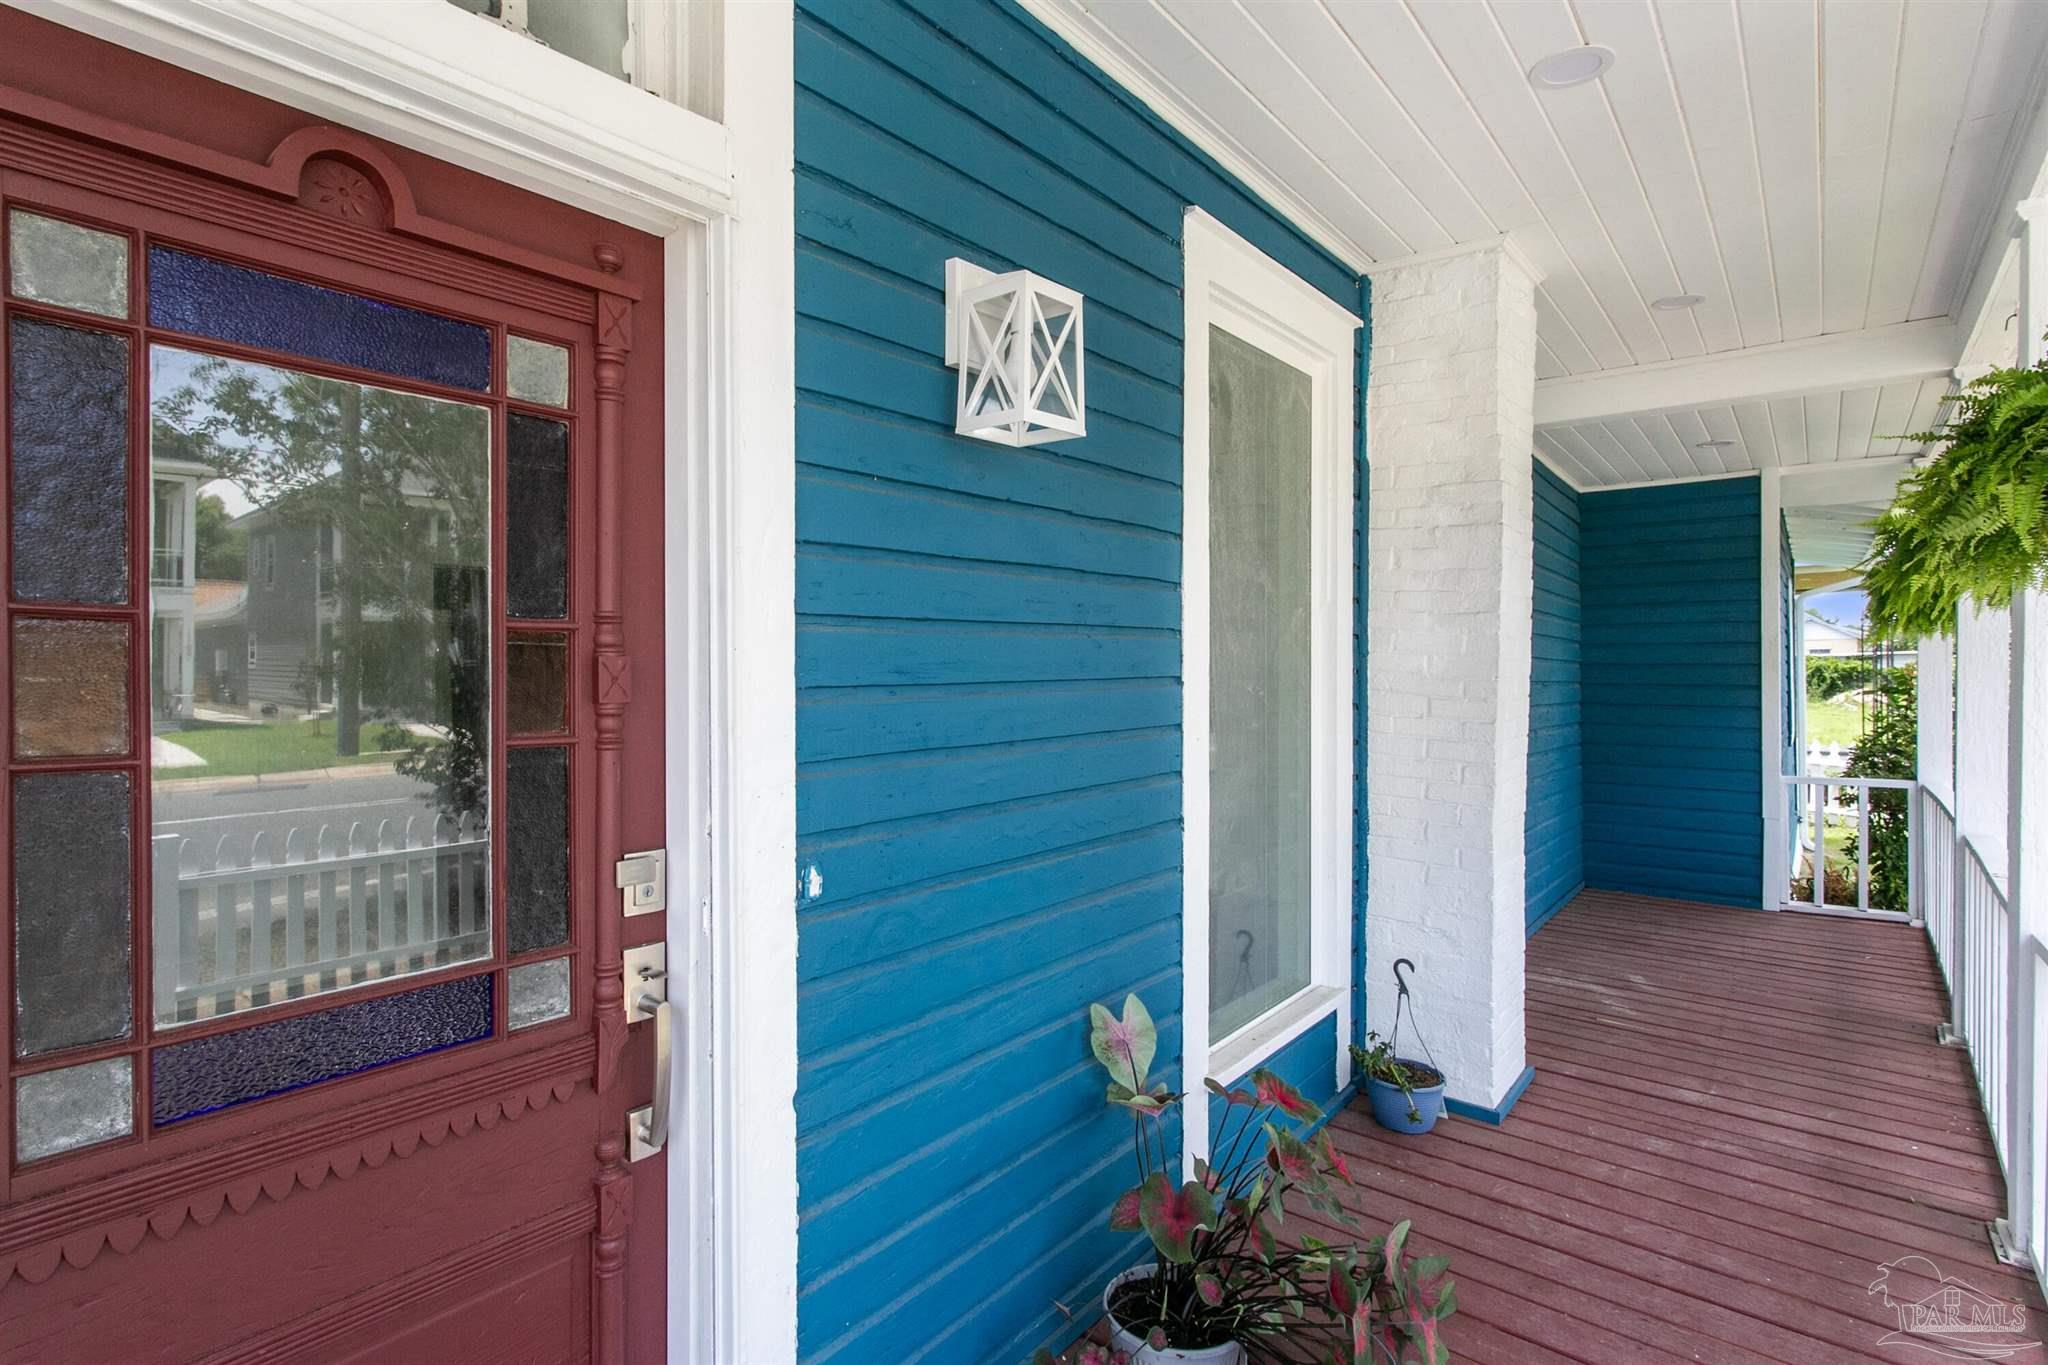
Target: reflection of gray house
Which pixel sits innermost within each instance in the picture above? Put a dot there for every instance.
(220, 636)
(293, 606)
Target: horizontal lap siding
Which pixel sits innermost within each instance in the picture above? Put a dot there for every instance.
(1672, 675)
(988, 731)
(1553, 826)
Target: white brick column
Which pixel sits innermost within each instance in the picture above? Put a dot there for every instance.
(1449, 598)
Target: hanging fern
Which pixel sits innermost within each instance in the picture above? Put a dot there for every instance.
(1975, 522)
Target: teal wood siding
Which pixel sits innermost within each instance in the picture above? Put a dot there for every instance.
(988, 673)
(1673, 681)
(1553, 822)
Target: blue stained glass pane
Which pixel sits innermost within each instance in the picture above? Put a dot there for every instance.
(210, 298)
(190, 1079)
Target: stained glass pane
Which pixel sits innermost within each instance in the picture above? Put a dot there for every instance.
(68, 416)
(348, 659)
(537, 371)
(537, 992)
(67, 265)
(72, 879)
(79, 1106)
(209, 298)
(70, 687)
(536, 683)
(206, 1074)
(536, 517)
(537, 848)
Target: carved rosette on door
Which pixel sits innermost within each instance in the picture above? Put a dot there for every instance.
(319, 691)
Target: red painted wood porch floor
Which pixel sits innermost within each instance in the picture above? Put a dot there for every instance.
(1737, 1119)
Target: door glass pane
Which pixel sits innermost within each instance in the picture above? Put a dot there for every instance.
(536, 517)
(79, 1106)
(537, 992)
(73, 874)
(67, 265)
(70, 687)
(209, 298)
(321, 819)
(206, 1074)
(1260, 440)
(537, 371)
(537, 683)
(537, 848)
(68, 417)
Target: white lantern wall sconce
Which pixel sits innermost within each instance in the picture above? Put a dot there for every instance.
(1016, 339)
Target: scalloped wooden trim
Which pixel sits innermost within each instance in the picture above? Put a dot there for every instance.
(80, 1228)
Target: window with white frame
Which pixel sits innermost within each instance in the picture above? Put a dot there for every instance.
(1267, 657)
(662, 46)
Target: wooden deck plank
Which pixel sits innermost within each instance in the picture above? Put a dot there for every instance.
(1737, 1119)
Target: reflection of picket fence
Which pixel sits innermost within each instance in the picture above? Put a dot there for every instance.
(236, 925)
(1827, 759)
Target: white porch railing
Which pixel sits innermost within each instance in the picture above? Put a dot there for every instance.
(235, 925)
(1818, 810)
(1992, 1010)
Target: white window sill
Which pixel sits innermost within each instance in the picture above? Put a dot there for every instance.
(1275, 1029)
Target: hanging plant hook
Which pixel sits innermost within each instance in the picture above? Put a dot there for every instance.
(1402, 966)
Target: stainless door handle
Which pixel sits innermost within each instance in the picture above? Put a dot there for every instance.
(648, 1125)
(646, 998)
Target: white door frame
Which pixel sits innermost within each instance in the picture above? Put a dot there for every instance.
(1231, 284)
(423, 74)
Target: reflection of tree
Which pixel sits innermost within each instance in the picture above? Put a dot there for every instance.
(403, 482)
(222, 550)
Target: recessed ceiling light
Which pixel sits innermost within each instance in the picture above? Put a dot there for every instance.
(1573, 66)
(1678, 303)
(1711, 445)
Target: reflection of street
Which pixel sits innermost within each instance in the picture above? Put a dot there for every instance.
(206, 809)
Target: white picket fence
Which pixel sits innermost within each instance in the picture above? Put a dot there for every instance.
(241, 923)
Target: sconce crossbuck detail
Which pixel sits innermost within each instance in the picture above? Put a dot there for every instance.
(1016, 340)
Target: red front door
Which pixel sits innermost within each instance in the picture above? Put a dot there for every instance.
(332, 650)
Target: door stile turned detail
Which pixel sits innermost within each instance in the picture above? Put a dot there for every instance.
(612, 691)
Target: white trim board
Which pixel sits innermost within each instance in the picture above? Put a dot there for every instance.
(1232, 285)
(425, 75)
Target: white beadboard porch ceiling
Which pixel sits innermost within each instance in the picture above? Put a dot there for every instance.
(1826, 173)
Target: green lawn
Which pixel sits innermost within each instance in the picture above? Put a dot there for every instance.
(240, 750)
(1833, 722)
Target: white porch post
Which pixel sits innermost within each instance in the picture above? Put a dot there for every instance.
(2027, 799)
(1450, 445)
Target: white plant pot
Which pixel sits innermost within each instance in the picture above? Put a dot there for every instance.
(1229, 1353)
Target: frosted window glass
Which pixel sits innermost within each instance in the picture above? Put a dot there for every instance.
(537, 992)
(68, 265)
(537, 371)
(80, 1106)
(1260, 442)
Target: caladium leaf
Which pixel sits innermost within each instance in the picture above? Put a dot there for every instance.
(1333, 1158)
(1284, 1097)
(1125, 1046)
(1395, 1240)
(1343, 1293)
(1210, 1289)
(1123, 1214)
(1156, 1338)
(1172, 1216)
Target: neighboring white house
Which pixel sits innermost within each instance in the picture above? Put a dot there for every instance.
(1830, 638)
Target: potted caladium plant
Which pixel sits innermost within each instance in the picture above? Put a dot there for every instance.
(1222, 1286)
